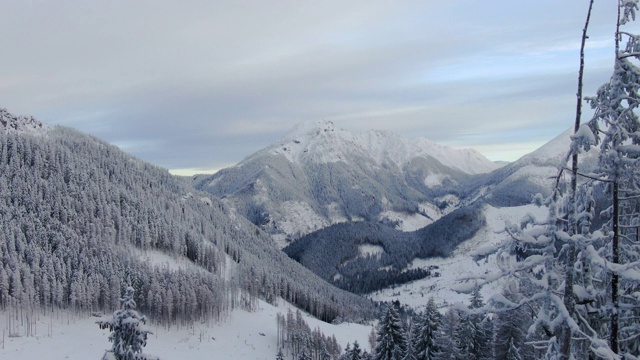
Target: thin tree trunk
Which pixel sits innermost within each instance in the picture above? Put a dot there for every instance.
(613, 339)
(569, 299)
(615, 258)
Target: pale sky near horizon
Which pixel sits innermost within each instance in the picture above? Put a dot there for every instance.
(199, 85)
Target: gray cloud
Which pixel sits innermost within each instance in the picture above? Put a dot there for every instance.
(202, 83)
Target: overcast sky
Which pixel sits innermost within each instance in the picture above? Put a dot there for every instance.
(203, 84)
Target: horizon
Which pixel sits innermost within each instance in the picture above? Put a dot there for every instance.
(202, 85)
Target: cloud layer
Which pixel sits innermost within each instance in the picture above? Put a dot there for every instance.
(202, 84)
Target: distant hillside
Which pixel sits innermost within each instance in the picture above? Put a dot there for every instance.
(319, 175)
(79, 219)
(515, 184)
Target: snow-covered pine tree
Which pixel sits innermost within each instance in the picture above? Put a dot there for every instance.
(305, 354)
(617, 126)
(347, 352)
(426, 329)
(391, 340)
(128, 330)
(356, 352)
(478, 330)
(372, 338)
(448, 337)
(410, 353)
(486, 331)
(511, 328)
(279, 355)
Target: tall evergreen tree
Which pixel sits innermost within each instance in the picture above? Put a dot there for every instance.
(479, 340)
(356, 352)
(511, 329)
(486, 339)
(391, 343)
(424, 335)
(448, 337)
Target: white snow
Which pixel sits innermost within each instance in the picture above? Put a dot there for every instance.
(434, 180)
(321, 142)
(460, 265)
(22, 124)
(161, 260)
(335, 213)
(406, 222)
(67, 336)
(540, 175)
(299, 219)
(368, 249)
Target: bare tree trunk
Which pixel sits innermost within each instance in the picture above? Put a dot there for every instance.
(613, 338)
(615, 258)
(569, 299)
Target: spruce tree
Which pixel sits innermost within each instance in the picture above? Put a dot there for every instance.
(391, 342)
(356, 352)
(128, 333)
(448, 337)
(424, 340)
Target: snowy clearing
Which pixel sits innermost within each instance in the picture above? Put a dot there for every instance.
(245, 335)
(368, 249)
(406, 222)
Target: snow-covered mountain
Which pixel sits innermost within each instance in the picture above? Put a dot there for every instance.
(322, 142)
(318, 175)
(516, 183)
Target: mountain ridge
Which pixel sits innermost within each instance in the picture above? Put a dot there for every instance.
(318, 175)
(327, 143)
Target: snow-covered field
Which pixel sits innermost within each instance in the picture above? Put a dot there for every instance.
(460, 265)
(245, 335)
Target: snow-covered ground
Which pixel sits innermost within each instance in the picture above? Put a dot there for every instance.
(405, 221)
(368, 249)
(245, 335)
(460, 265)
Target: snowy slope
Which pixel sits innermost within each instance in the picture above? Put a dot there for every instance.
(322, 142)
(460, 265)
(516, 183)
(67, 336)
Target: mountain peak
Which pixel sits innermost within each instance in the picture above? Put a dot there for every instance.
(29, 124)
(321, 142)
(310, 128)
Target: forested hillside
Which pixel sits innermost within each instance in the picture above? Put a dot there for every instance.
(77, 216)
(336, 255)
